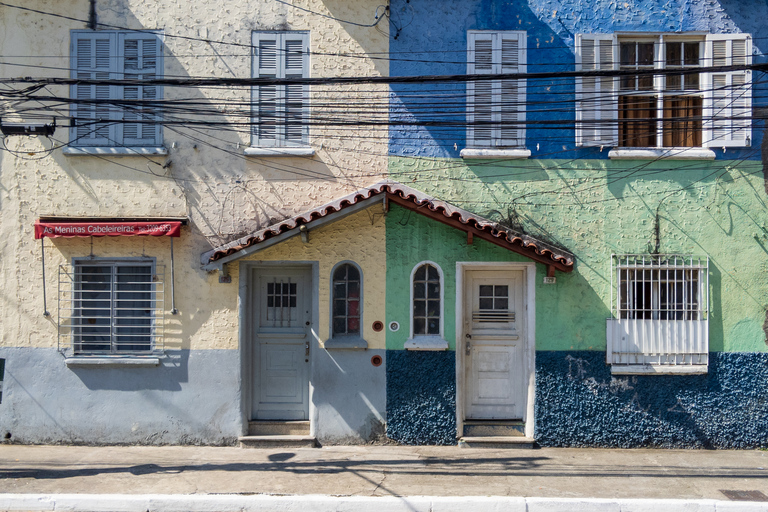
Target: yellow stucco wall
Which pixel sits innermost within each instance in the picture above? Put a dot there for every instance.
(360, 238)
(205, 175)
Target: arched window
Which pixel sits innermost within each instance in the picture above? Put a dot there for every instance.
(347, 296)
(427, 298)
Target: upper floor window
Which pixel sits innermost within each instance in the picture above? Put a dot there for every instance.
(108, 115)
(280, 112)
(675, 109)
(660, 314)
(496, 108)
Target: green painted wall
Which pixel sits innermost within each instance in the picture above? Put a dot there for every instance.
(594, 208)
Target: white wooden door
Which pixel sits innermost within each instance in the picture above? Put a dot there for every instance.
(282, 302)
(494, 334)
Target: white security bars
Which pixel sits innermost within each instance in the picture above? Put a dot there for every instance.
(660, 313)
(111, 307)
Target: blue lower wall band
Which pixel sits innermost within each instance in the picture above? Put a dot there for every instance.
(579, 403)
(421, 397)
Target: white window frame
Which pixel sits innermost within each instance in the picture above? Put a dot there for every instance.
(279, 71)
(597, 97)
(71, 319)
(345, 341)
(641, 337)
(497, 138)
(427, 341)
(86, 138)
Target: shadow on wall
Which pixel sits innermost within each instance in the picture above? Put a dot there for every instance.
(205, 173)
(348, 395)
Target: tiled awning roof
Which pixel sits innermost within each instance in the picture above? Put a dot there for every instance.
(407, 197)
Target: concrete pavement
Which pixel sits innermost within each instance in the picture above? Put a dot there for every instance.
(378, 478)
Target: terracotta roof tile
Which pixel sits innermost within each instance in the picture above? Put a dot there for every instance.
(418, 201)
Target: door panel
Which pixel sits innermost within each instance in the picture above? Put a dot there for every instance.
(494, 327)
(281, 299)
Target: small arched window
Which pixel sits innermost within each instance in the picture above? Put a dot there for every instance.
(346, 300)
(427, 309)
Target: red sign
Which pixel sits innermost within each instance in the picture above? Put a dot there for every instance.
(70, 229)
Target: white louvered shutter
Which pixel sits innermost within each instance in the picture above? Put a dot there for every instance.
(141, 58)
(596, 97)
(295, 128)
(512, 92)
(480, 92)
(496, 108)
(265, 97)
(728, 96)
(94, 57)
(280, 111)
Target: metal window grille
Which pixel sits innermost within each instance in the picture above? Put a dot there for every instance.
(346, 300)
(660, 310)
(281, 303)
(111, 307)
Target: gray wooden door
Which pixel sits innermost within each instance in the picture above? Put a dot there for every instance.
(282, 302)
(494, 330)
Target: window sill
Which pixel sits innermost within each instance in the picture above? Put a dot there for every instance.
(105, 151)
(426, 343)
(346, 343)
(509, 154)
(283, 151)
(645, 369)
(662, 154)
(111, 361)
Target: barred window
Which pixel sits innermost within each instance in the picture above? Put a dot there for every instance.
(660, 312)
(111, 307)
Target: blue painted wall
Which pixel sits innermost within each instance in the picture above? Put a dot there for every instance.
(428, 37)
(579, 403)
(421, 397)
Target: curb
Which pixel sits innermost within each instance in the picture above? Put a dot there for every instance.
(324, 503)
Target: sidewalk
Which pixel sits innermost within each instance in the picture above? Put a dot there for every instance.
(346, 477)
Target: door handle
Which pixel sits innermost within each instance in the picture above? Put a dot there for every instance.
(306, 349)
(468, 344)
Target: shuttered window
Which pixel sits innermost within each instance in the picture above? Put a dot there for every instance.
(280, 112)
(112, 115)
(596, 106)
(496, 108)
(665, 110)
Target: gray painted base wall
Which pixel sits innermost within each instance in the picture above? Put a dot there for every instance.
(193, 397)
(349, 396)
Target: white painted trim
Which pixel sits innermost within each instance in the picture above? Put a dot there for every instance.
(102, 362)
(646, 369)
(427, 341)
(529, 296)
(506, 154)
(662, 154)
(115, 151)
(280, 151)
